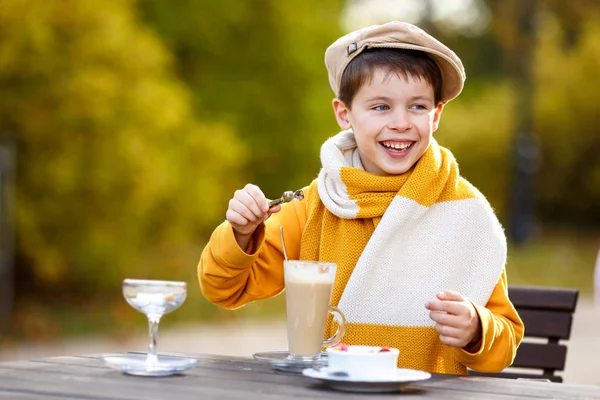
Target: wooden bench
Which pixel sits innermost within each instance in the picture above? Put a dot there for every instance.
(547, 314)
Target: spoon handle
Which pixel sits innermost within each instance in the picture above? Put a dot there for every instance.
(274, 202)
(287, 197)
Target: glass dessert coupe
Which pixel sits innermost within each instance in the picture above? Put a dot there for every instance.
(154, 299)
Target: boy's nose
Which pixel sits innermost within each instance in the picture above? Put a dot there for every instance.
(399, 121)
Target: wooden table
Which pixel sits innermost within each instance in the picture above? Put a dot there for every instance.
(223, 377)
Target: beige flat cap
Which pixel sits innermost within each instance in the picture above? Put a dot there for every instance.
(397, 35)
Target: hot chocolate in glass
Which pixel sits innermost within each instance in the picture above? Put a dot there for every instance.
(308, 287)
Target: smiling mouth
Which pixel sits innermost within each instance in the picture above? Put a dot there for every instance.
(397, 147)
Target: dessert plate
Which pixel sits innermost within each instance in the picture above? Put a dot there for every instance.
(281, 361)
(339, 382)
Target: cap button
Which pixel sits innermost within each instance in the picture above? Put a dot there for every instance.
(352, 48)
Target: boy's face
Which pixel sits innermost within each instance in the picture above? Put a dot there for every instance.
(393, 119)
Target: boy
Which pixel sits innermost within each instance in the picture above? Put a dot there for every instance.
(420, 253)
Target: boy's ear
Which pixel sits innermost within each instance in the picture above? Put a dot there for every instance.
(341, 114)
(436, 116)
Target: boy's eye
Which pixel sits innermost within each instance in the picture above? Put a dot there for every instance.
(381, 107)
(419, 107)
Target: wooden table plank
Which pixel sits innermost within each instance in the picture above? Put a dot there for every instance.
(517, 388)
(20, 396)
(222, 377)
(211, 384)
(245, 377)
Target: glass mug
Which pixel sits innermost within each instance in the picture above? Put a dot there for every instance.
(308, 287)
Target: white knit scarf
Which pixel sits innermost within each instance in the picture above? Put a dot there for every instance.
(437, 233)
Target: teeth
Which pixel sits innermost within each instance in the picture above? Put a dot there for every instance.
(398, 146)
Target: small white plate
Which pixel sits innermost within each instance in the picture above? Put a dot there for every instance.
(281, 361)
(135, 364)
(403, 377)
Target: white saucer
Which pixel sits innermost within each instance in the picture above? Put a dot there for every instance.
(348, 384)
(135, 364)
(281, 361)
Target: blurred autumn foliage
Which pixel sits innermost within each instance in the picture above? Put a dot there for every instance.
(128, 149)
(134, 121)
(480, 126)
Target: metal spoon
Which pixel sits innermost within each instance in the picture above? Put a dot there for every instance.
(287, 197)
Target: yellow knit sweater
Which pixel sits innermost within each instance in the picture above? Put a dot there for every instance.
(418, 233)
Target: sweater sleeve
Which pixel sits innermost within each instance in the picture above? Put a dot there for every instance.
(502, 332)
(232, 277)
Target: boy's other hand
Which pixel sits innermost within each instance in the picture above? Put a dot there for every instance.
(456, 319)
(247, 210)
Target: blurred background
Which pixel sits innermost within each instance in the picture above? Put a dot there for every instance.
(126, 126)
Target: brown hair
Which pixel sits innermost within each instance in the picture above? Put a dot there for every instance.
(402, 62)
